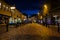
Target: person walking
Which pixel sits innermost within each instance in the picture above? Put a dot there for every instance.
(58, 23)
(7, 24)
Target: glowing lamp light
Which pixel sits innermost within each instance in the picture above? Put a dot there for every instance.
(45, 6)
(12, 7)
(0, 3)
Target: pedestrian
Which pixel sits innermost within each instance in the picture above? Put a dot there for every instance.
(7, 24)
(46, 22)
(58, 23)
(43, 21)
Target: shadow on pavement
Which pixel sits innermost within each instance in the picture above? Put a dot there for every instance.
(54, 38)
(33, 37)
(28, 37)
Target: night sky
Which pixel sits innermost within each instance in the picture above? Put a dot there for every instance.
(27, 6)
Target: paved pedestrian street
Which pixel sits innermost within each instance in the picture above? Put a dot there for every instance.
(32, 31)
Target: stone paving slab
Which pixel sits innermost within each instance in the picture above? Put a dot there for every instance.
(30, 32)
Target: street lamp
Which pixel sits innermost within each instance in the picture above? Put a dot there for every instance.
(38, 13)
(45, 6)
(45, 9)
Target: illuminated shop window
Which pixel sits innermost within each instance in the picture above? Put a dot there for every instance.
(0, 5)
(11, 20)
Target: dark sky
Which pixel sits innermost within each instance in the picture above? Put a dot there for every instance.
(27, 6)
(53, 3)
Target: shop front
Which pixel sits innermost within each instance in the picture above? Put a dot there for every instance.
(4, 19)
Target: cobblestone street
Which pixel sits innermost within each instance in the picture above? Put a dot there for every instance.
(32, 31)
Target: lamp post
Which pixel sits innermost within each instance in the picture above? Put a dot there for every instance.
(38, 15)
(45, 9)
